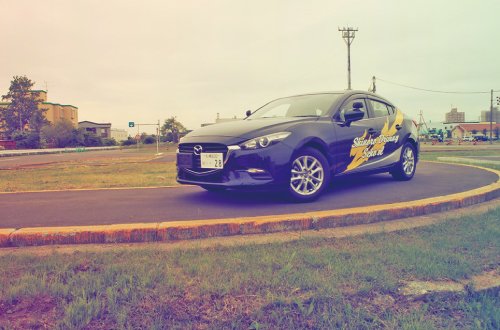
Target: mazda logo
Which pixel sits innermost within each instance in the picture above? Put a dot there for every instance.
(197, 150)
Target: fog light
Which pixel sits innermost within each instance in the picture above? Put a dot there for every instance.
(256, 171)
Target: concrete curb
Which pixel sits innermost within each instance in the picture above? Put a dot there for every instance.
(183, 230)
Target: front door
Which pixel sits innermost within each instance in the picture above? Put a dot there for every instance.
(354, 146)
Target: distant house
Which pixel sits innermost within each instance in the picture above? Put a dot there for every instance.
(119, 134)
(99, 129)
(462, 130)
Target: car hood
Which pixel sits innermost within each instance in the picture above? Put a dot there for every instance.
(247, 129)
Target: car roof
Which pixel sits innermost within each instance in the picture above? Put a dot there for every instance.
(346, 94)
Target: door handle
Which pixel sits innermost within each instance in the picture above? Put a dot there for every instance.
(398, 127)
(371, 131)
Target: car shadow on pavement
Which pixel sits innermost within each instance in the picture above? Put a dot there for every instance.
(237, 197)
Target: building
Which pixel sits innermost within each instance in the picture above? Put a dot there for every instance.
(98, 129)
(454, 116)
(119, 134)
(478, 129)
(485, 115)
(55, 112)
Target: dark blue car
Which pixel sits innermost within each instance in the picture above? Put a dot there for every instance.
(299, 143)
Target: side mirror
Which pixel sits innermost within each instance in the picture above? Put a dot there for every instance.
(248, 113)
(358, 105)
(353, 115)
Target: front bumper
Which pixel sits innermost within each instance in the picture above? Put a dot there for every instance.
(242, 168)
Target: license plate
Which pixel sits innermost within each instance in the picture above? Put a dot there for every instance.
(185, 160)
(211, 160)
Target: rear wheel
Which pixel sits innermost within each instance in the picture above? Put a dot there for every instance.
(310, 174)
(404, 170)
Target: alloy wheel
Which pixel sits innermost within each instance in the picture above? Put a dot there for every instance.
(408, 161)
(307, 175)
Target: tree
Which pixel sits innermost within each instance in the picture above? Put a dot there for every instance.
(173, 127)
(62, 134)
(23, 109)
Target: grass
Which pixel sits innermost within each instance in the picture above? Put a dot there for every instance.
(347, 283)
(434, 156)
(107, 173)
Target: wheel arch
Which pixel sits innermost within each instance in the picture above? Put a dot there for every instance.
(317, 144)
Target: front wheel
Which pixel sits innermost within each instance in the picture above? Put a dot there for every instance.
(310, 174)
(404, 170)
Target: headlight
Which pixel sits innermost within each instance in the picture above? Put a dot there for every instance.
(264, 141)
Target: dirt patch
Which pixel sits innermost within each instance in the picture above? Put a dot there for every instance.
(40, 312)
(481, 282)
(486, 280)
(418, 288)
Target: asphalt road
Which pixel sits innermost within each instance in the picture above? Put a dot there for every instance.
(68, 208)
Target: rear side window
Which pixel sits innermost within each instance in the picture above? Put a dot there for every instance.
(379, 109)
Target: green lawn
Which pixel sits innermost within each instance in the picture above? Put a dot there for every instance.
(434, 156)
(110, 173)
(349, 283)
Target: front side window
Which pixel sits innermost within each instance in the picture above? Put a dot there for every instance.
(315, 105)
(349, 106)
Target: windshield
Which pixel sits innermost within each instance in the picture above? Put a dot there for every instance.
(315, 105)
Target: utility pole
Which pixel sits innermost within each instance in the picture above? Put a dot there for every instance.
(158, 138)
(421, 122)
(348, 35)
(491, 118)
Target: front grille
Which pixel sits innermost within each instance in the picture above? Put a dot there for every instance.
(188, 148)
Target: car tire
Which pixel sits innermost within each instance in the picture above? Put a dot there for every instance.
(213, 188)
(404, 170)
(309, 175)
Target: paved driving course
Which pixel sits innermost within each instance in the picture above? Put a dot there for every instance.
(101, 207)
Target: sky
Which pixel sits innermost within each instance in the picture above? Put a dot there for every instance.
(144, 61)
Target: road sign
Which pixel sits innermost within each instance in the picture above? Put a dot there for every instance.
(131, 124)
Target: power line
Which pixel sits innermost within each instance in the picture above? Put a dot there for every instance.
(433, 90)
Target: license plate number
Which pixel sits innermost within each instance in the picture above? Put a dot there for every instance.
(211, 160)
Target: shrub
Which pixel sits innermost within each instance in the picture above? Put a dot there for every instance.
(149, 140)
(27, 140)
(109, 142)
(129, 142)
